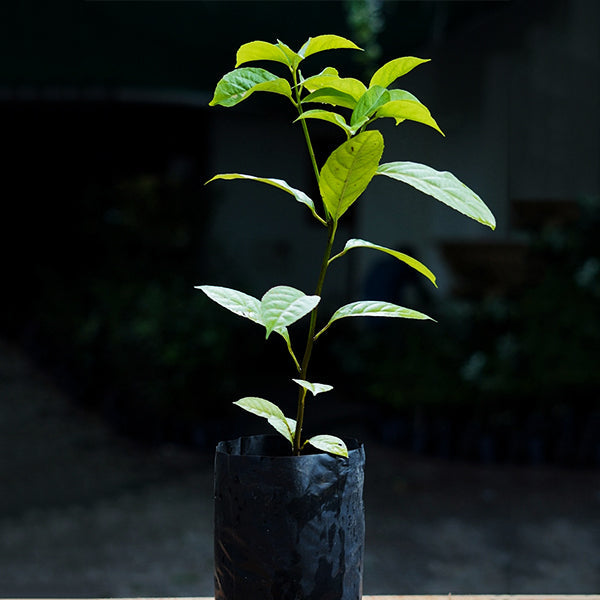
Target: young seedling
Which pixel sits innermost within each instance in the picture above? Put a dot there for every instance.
(353, 107)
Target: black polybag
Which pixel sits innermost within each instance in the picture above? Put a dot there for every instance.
(287, 527)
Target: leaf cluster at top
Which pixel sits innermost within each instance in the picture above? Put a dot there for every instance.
(351, 106)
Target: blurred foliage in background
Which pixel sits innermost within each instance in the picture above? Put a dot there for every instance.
(520, 371)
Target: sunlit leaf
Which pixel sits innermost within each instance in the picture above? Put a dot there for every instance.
(408, 109)
(260, 50)
(237, 302)
(245, 306)
(348, 171)
(329, 116)
(283, 305)
(294, 59)
(347, 85)
(373, 308)
(375, 97)
(443, 186)
(267, 410)
(321, 43)
(299, 195)
(330, 444)
(331, 96)
(313, 388)
(238, 84)
(412, 262)
(388, 73)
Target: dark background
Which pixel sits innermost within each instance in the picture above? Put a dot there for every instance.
(107, 226)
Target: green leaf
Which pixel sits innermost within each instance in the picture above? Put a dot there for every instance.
(443, 186)
(348, 171)
(283, 305)
(260, 50)
(347, 85)
(329, 116)
(278, 183)
(238, 84)
(330, 444)
(388, 73)
(373, 308)
(294, 59)
(326, 42)
(313, 388)
(412, 262)
(408, 109)
(238, 303)
(245, 306)
(331, 96)
(402, 95)
(374, 98)
(267, 410)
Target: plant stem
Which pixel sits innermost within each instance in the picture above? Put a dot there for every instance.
(298, 103)
(332, 228)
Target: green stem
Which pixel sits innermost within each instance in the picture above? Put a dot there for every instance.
(298, 103)
(332, 228)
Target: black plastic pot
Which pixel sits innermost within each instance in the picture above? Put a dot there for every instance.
(287, 527)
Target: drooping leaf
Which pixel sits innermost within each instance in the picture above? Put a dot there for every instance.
(321, 43)
(388, 73)
(330, 117)
(331, 96)
(237, 302)
(313, 388)
(412, 262)
(348, 171)
(260, 50)
(245, 306)
(330, 444)
(278, 183)
(283, 305)
(373, 308)
(374, 98)
(347, 85)
(267, 410)
(238, 84)
(401, 110)
(443, 186)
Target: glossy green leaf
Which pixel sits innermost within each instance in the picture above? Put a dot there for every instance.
(443, 186)
(260, 50)
(331, 96)
(237, 302)
(412, 262)
(408, 109)
(348, 171)
(388, 73)
(237, 85)
(374, 98)
(347, 85)
(299, 195)
(283, 305)
(321, 43)
(330, 117)
(373, 308)
(330, 444)
(313, 388)
(267, 410)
